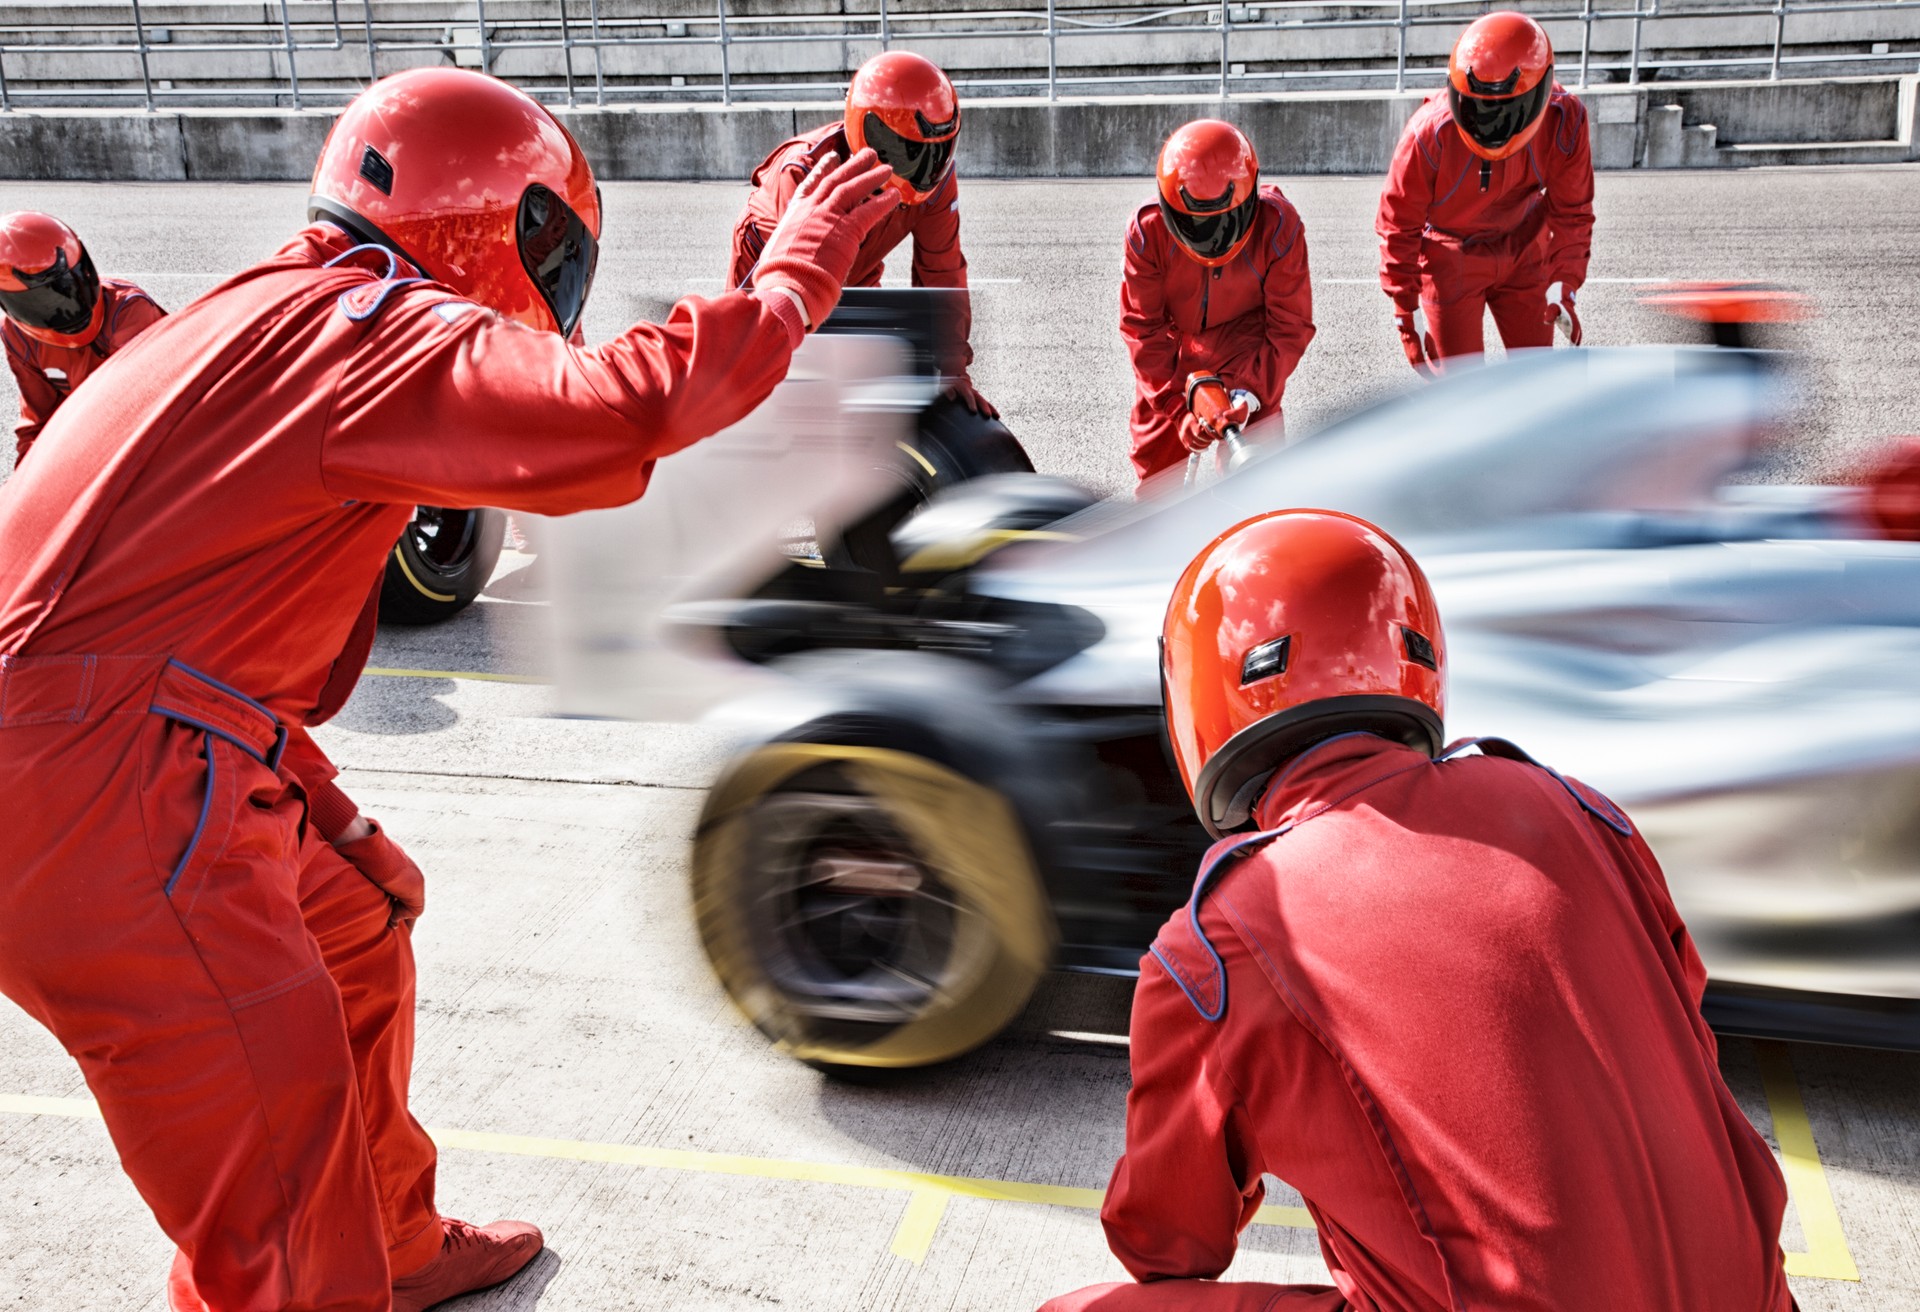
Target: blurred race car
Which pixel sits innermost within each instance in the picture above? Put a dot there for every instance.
(958, 779)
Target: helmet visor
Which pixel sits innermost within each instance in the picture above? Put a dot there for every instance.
(57, 299)
(559, 252)
(1493, 123)
(919, 164)
(1211, 236)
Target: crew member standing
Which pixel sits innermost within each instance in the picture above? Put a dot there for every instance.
(1443, 994)
(902, 107)
(1215, 282)
(1489, 201)
(179, 595)
(62, 318)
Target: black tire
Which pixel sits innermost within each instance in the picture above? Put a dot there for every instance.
(953, 445)
(440, 563)
(864, 903)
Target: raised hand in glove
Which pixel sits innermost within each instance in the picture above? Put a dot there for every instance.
(961, 389)
(1415, 340)
(1562, 314)
(811, 250)
(380, 859)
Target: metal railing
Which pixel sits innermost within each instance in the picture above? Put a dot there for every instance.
(584, 41)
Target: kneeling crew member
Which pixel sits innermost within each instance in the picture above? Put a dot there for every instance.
(1445, 995)
(180, 594)
(1489, 201)
(62, 318)
(902, 107)
(1215, 282)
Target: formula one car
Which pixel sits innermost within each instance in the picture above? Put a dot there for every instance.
(959, 778)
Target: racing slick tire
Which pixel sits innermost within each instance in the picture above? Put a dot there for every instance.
(442, 560)
(953, 445)
(864, 897)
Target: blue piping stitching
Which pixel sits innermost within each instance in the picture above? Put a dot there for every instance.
(393, 282)
(1457, 184)
(393, 260)
(387, 289)
(212, 682)
(1240, 848)
(206, 806)
(1193, 916)
(1606, 811)
(183, 718)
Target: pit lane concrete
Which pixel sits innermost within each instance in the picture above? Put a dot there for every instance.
(589, 1073)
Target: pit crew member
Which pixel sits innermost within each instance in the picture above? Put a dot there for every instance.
(1215, 282)
(62, 318)
(1488, 203)
(901, 106)
(179, 595)
(1443, 994)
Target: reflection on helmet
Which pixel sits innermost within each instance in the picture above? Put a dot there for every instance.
(1209, 180)
(1289, 628)
(905, 108)
(48, 285)
(473, 181)
(1494, 123)
(559, 253)
(59, 299)
(920, 164)
(1499, 81)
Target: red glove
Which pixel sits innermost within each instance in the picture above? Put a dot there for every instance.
(961, 389)
(1415, 340)
(811, 249)
(1562, 314)
(380, 859)
(1194, 435)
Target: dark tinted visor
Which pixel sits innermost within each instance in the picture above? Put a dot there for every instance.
(920, 164)
(1493, 123)
(1211, 235)
(58, 299)
(559, 253)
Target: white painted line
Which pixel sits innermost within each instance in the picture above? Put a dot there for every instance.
(1374, 282)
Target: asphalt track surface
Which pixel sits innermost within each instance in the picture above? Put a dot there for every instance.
(576, 1060)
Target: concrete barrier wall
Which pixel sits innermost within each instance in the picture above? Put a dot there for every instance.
(1867, 120)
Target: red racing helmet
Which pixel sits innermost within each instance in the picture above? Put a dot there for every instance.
(1498, 83)
(1289, 628)
(47, 281)
(1209, 189)
(905, 108)
(472, 180)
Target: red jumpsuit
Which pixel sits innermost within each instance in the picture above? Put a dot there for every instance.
(1249, 321)
(179, 592)
(1452, 1005)
(934, 225)
(1460, 235)
(48, 374)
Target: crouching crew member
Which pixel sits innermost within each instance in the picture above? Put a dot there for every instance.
(1215, 282)
(62, 318)
(180, 594)
(1443, 994)
(1489, 201)
(903, 108)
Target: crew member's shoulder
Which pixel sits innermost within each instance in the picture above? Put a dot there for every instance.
(1147, 228)
(799, 154)
(1566, 122)
(1279, 208)
(1563, 101)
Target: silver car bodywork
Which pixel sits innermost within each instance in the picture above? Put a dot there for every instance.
(1738, 666)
